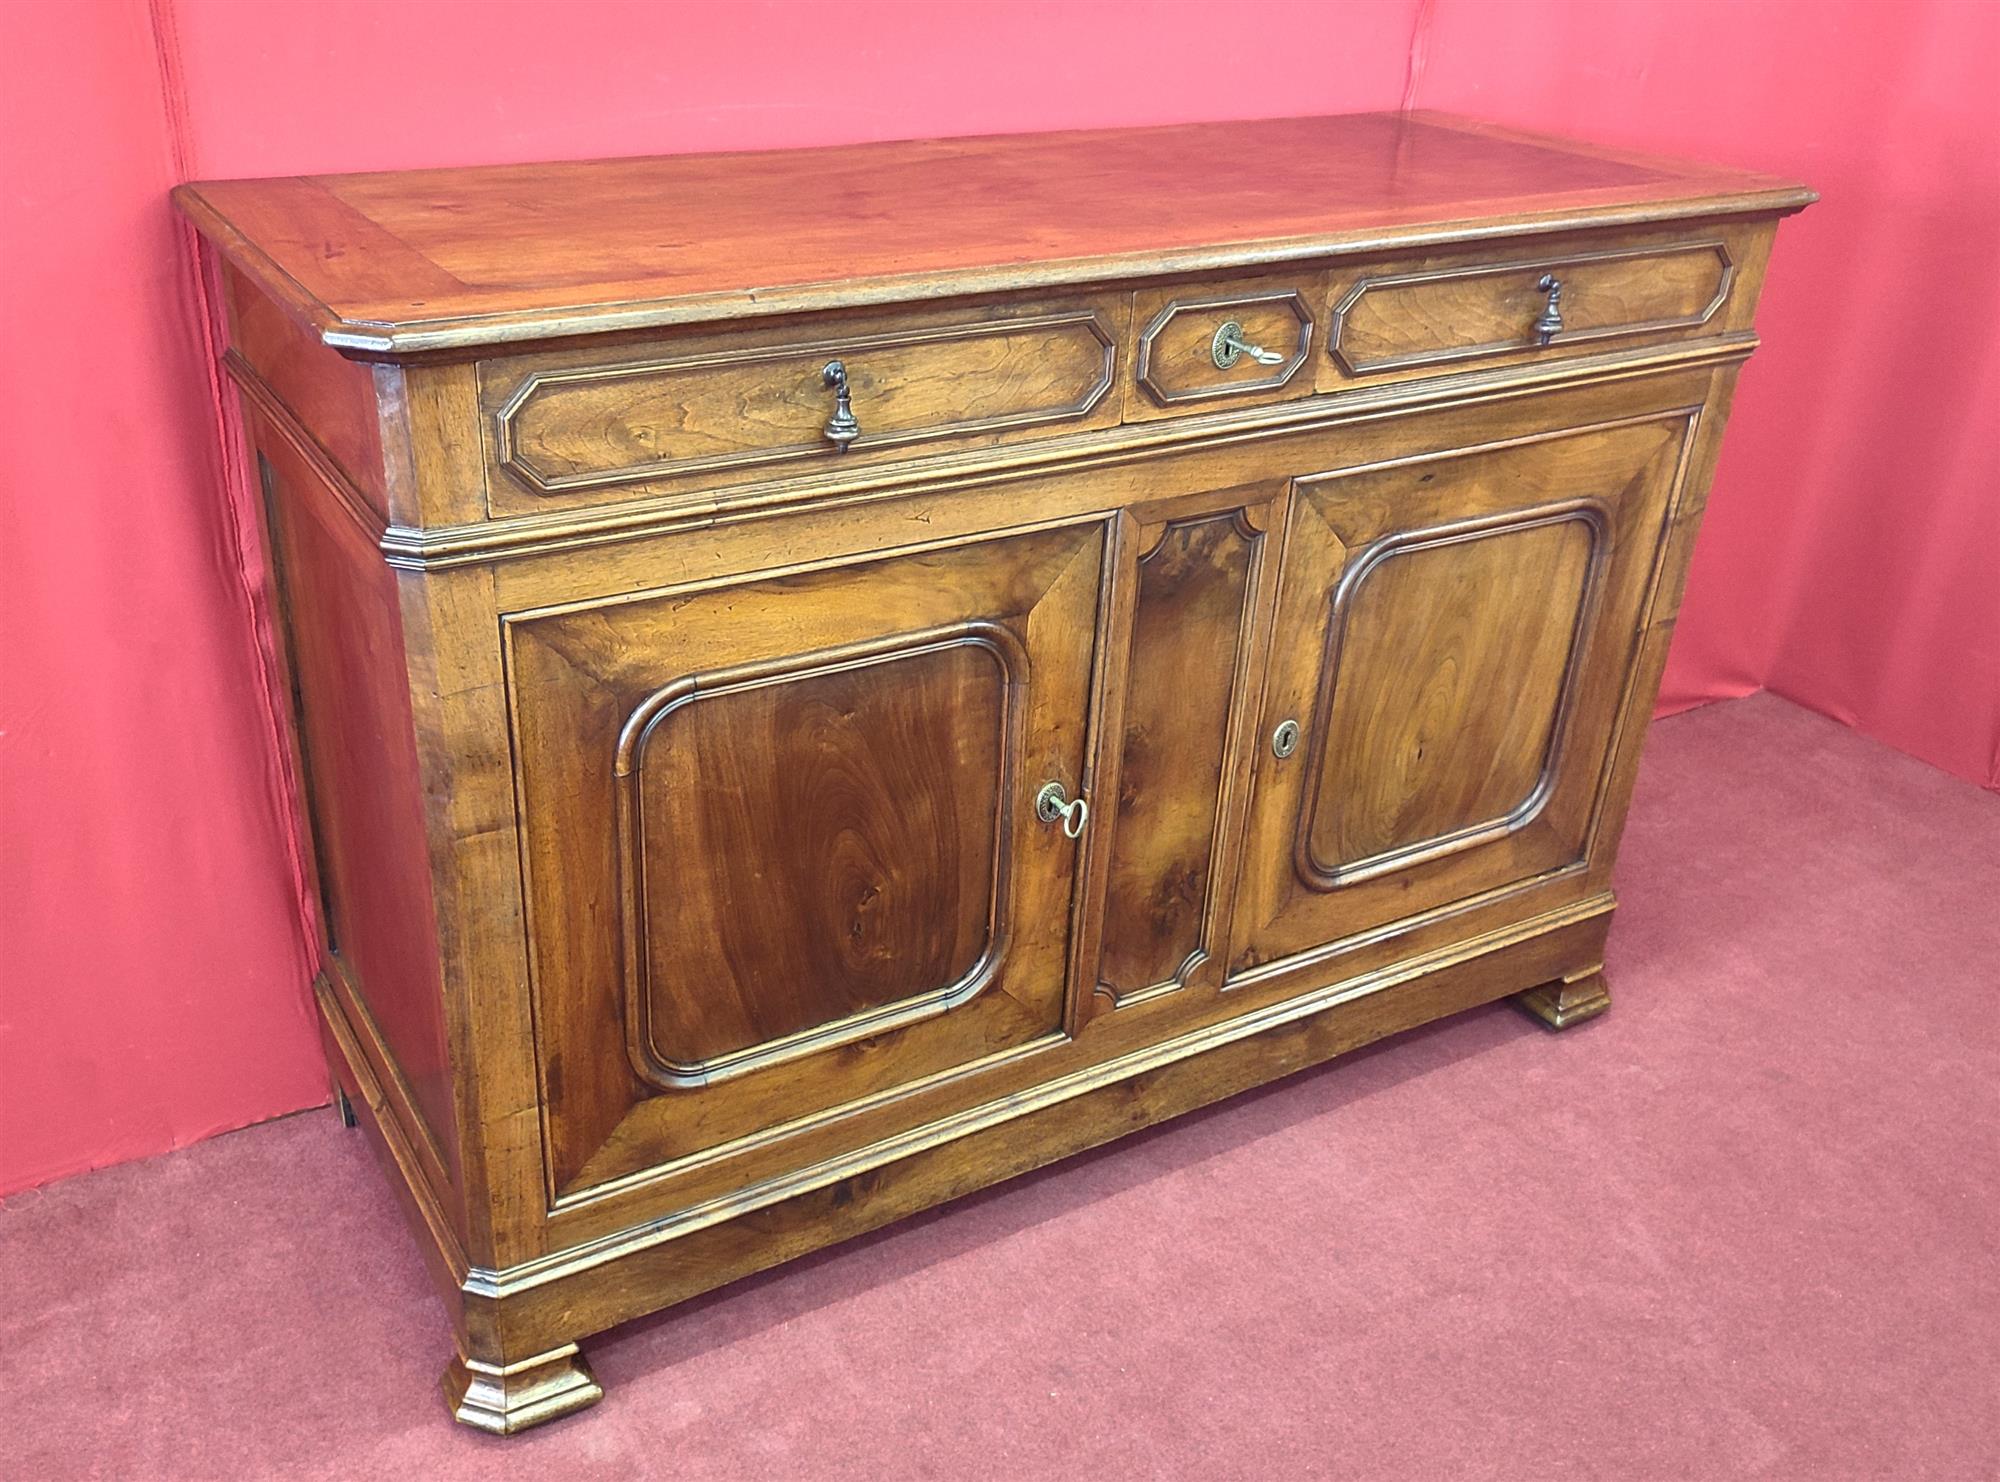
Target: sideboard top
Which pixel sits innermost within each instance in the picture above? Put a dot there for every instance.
(428, 260)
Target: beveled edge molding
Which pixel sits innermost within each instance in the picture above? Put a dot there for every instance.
(363, 338)
(1595, 516)
(1242, 523)
(508, 455)
(412, 548)
(1294, 363)
(581, 1191)
(1369, 283)
(502, 1283)
(657, 1068)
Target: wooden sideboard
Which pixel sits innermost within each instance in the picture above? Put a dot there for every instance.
(826, 679)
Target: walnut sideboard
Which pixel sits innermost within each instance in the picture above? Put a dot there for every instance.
(826, 679)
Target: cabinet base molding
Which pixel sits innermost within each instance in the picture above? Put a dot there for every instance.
(502, 1400)
(551, 1304)
(1569, 1001)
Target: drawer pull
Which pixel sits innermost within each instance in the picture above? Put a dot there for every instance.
(1229, 346)
(1550, 322)
(841, 428)
(1054, 802)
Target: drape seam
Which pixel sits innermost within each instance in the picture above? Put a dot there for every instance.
(231, 473)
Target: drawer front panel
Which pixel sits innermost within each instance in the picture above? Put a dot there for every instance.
(782, 853)
(1466, 310)
(1211, 345)
(701, 411)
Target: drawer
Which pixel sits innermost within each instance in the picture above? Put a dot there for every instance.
(1460, 310)
(1222, 344)
(697, 411)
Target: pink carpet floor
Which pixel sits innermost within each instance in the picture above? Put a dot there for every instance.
(1745, 1225)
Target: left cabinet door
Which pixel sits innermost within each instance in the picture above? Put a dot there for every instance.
(784, 869)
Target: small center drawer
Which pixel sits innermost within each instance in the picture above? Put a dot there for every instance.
(1442, 312)
(698, 411)
(1223, 344)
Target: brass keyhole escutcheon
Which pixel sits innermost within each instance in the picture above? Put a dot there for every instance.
(1229, 346)
(1285, 740)
(1054, 804)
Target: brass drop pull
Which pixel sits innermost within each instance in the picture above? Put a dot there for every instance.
(1229, 346)
(841, 428)
(1550, 322)
(1053, 802)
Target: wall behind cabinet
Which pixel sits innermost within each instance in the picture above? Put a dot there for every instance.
(152, 969)
(1851, 556)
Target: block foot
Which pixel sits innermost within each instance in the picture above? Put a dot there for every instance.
(1567, 1001)
(504, 1400)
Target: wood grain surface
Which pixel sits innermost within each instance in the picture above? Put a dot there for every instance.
(1188, 621)
(814, 840)
(431, 259)
(672, 773)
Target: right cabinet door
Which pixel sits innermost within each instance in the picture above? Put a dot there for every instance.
(1454, 643)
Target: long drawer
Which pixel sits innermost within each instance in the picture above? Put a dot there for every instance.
(695, 411)
(1502, 303)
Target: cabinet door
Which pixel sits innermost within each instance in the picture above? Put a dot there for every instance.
(782, 846)
(1459, 633)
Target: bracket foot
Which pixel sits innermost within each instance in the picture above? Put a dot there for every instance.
(1567, 1001)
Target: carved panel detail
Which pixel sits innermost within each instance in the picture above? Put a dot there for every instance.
(1189, 617)
(779, 847)
(745, 407)
(1452, 658)
(854, 884)
(1400, 321)
(1176, 363)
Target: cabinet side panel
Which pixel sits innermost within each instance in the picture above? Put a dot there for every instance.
(1659, 619)
(357, 754)
(332, 396)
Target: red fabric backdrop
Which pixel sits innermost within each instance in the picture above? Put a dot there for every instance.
(1851, 556)
(151, 970)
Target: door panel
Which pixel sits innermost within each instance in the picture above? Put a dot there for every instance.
(1468, 623)
(1194, 573)
(781, 847)
(1414, 756)
(1185, 633)
(865, 791)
